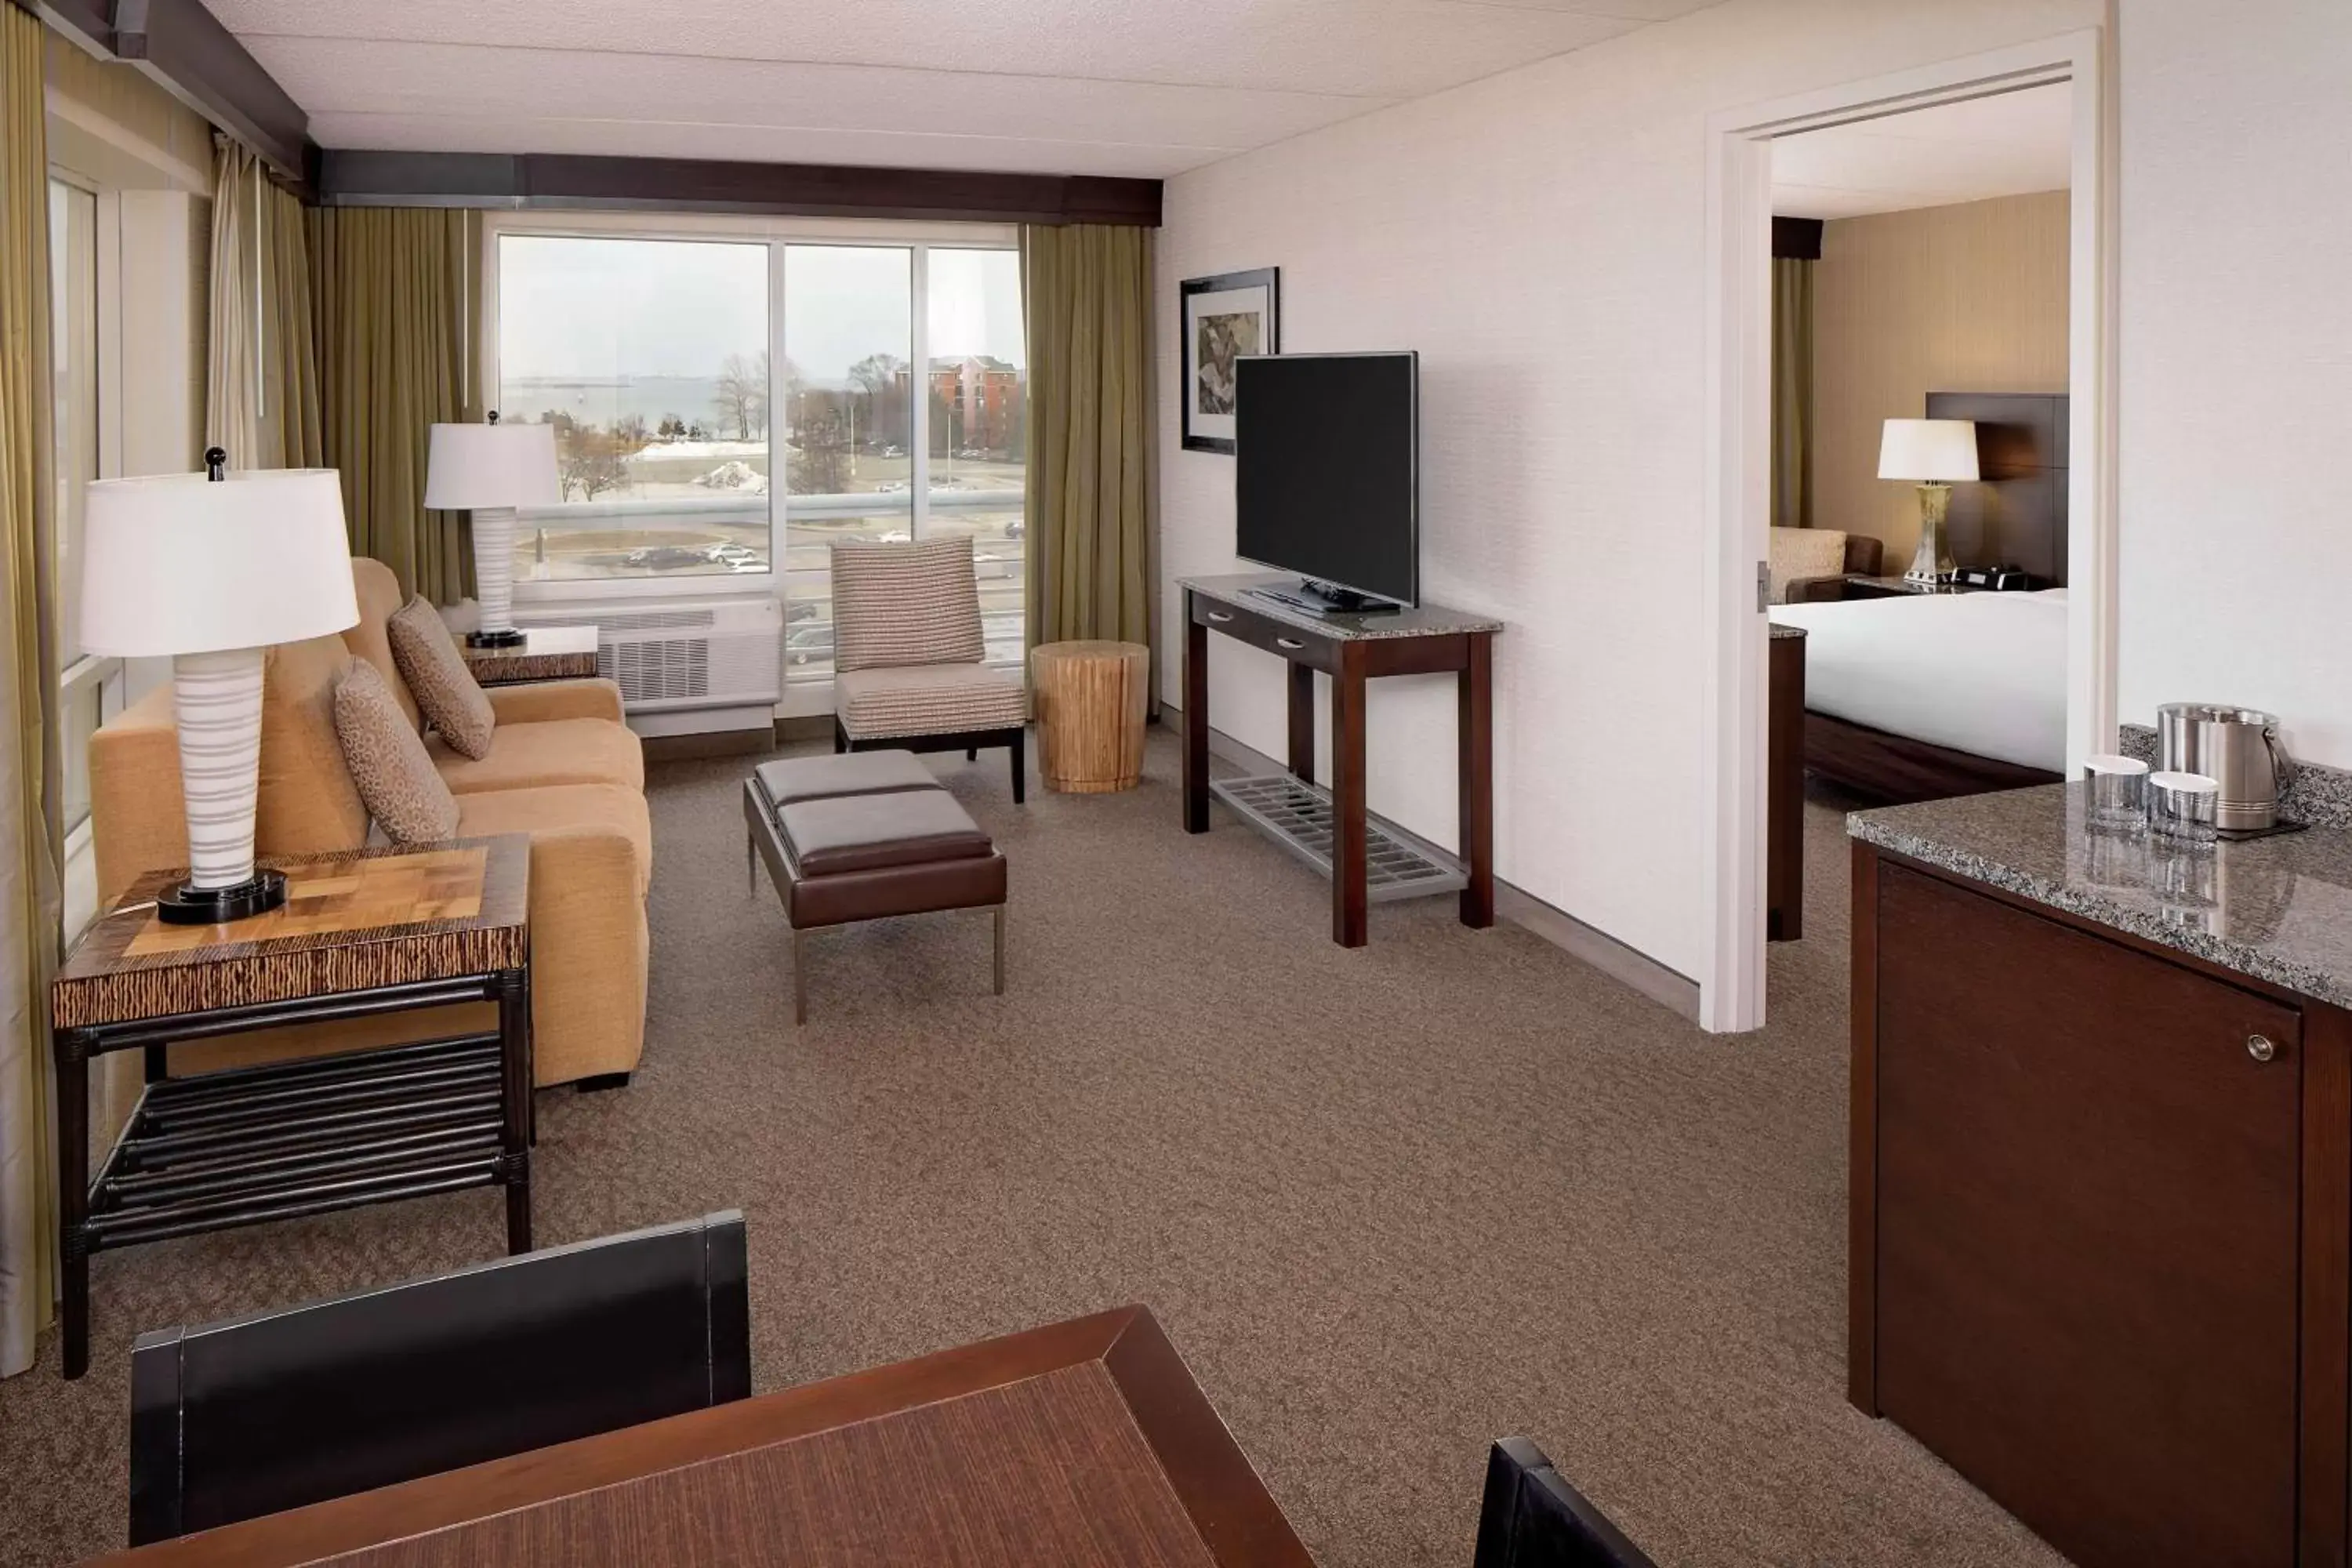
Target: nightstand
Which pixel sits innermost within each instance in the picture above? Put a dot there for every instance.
(546, 653)
(1859, 587)
(371, 932)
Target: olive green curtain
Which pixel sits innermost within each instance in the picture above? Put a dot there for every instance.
(1792, 393)
(1091, 442)
(30, 848)
(395, 295)
(262, 376)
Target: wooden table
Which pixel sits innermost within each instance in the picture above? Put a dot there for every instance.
(1784, 787)
(1084, 1445)
(371, 932)
(1351, 649)
(546, 653)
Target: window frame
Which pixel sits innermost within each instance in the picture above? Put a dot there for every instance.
(775, 233)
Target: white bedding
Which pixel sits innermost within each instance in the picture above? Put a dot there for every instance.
(1984, 673)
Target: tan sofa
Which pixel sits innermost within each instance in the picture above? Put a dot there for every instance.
(562, 768)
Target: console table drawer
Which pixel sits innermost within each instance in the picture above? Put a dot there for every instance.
(1279, 638)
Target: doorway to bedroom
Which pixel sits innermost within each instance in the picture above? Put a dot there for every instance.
(1910, 464)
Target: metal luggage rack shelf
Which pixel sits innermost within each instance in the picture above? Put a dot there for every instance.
(300, 1138)
(1298, 815)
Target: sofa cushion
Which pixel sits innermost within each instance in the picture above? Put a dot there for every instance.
(871, 832)
(559, 812)
(898, 605)
(1801, 553)
(306, 803)
(388, 761)
(530, 756)
(379, 598)
(928, 700)
(437, 677)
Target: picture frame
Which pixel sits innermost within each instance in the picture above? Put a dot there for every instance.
(1220, 319)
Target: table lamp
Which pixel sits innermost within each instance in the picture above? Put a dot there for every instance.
(211, 569)
(489, 469)
(1933, 453)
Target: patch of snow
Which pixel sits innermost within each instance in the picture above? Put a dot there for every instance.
(736, 475)
(657, 450)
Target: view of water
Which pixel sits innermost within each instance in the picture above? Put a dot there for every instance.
(692, 398)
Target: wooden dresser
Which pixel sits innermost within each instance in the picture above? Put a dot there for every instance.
(2101, 1247)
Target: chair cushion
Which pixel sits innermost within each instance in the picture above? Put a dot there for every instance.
(1801, 553)
(388, 762)
(557, 814)
(437, 677)
(899, 605)
(306, 803)
(852, 773)
(557, 751)
(379, 595)
(928, 700)
(870, 832)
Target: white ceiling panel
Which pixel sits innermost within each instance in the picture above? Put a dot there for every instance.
(1139, 86)
(2012, 144)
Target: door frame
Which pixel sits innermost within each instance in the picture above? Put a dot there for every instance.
(1738, 458)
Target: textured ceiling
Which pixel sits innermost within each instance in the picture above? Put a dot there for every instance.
(1092, 87)
(2010, 145)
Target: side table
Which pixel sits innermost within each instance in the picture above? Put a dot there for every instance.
(546, 653)
(371, 932)
(1091, 698)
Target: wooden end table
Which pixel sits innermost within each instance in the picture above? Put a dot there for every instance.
(371, 931)
(546, 653)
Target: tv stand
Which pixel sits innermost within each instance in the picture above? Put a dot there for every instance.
(1330, 828)
(1324, 598)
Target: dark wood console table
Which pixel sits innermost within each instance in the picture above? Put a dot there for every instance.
(1351, 649)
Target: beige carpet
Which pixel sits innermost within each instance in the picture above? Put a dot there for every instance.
(1390, 1203)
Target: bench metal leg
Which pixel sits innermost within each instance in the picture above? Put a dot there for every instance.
(800, 977)
(1000, 950)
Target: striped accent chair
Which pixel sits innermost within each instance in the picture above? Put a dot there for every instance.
(906, 654)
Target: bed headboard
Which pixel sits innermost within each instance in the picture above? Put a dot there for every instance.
(2016, 514)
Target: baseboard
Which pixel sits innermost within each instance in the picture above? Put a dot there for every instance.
(1627, 965)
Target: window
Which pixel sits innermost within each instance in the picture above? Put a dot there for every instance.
(650, 358)
(670, 364)
(90, 689)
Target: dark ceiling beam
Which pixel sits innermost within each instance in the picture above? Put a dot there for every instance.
(184, 49)
(92, 21)
(497, 180)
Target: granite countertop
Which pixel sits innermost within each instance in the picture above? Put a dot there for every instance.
(1780, 631)
(1427, 620)
(2277, 909)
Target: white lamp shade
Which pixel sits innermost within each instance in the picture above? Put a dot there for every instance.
(474, 466)
(180, 563)
(1928, 450)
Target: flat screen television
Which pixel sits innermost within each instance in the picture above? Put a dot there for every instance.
(1325, 479)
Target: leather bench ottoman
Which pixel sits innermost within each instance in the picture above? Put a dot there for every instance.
(863, 837)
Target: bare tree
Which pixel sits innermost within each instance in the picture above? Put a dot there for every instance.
(742, 398)
(818, 463)
(588, 459)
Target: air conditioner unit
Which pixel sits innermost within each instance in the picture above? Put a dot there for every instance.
(686, 666)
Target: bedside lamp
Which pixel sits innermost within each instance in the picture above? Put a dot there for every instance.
(489, 469)
(1933, 453)
(211, 569)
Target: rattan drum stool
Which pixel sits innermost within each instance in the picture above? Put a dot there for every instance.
(1090, 698)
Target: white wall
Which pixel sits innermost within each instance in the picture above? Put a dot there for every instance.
(2235, 532)
(1540, 237)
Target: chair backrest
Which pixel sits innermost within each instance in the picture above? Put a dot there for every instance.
(900, 604)
(1533, 1519)
(281, 1409)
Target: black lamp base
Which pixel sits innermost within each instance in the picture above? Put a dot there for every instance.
(189, 905)
(510, 637)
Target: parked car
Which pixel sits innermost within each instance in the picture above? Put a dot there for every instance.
(1014, 527)
(809, 643)
(665, 558)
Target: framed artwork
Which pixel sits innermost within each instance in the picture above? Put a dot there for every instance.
(1223, 317)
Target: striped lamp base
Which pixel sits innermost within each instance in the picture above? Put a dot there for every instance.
(494, 529)
(218, 700)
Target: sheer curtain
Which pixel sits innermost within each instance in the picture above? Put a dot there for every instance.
(261, 384)
(30, 851)
(1092, 439)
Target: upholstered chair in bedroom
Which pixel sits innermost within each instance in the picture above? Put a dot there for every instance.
(1809, 564)
(907, 652)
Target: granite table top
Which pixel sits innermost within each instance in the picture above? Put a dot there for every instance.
(2277, 909)
(1425, 621)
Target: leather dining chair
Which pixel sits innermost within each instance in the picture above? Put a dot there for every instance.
(1531, 1518)
(273, 1411)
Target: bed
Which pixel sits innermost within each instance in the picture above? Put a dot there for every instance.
(1925, 697)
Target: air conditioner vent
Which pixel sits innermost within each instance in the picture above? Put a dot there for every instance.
(719, 656)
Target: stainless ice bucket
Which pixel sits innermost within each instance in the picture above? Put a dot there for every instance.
(2237, 746)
